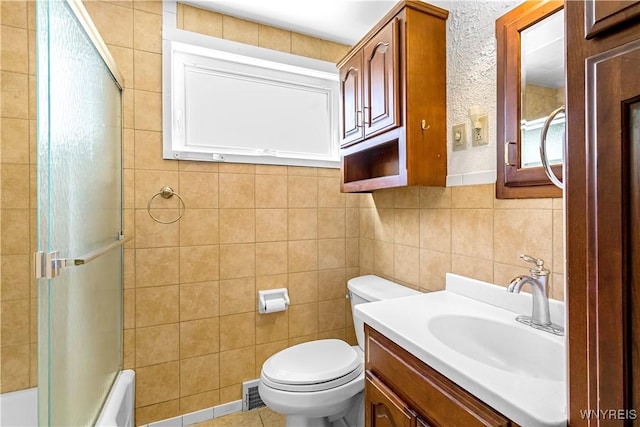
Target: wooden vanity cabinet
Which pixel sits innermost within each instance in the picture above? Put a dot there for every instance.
(393, 102)
(401, 390)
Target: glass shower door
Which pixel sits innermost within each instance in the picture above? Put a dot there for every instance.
(79, 263)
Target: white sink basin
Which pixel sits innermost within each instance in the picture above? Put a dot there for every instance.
(506, 346)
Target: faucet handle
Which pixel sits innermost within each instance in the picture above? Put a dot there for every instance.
(539, 269)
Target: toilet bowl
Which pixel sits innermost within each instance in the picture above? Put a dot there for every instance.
(320, 383)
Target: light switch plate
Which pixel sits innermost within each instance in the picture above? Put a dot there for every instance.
(459, 137)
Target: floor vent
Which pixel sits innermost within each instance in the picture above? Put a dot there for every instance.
(250, 395)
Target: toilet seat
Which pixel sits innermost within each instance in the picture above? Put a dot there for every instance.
(312, 366)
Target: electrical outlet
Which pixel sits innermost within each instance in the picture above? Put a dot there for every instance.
(480, 135)
(459, 137)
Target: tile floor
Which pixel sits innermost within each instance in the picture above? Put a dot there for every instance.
(263, 417)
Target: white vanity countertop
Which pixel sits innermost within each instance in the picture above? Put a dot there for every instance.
(520, 396)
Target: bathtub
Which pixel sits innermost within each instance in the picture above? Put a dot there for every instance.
(20, 408)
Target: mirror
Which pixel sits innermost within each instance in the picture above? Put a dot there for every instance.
(542, 89)
(530, 59)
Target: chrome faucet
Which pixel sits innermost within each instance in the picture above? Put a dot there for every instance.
(540, 318)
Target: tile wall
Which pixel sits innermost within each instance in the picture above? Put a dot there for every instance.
(18, 326)
(192, 332)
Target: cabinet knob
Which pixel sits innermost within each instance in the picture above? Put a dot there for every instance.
(424, 125)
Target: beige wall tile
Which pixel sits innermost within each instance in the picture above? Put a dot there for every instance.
(129, 268)
(129, 349)
(199, 227)
(147, 31)
(14, 13)
(271, 258)
(235, 168)
(271, 327)
(315, 48)
(407, 197)
(148, 152)
(32, 97)
(148, 71)
(15, 316)
(329, 195)
(475, 268)
(194, 166)
(15, 186)
(270, 170)
(153, 6)
(433, 269)
(124, 59)
(202, 21)
(332, 284)
(303, 224)
(128, 108)
(331, 253)
(331, 314)
(435, 197)
(384, 259)
(237, 296)
(303, 191)
(199, 190)
(237, 225)
(558, 242)
(385, 198)
(519, 233)
(473, 197)
(237, 366)
(129, 308)
(352, 222)
(274, 38)
(152, 234)
(148, 183)
(237, 190)
(271, 225)
(199, 337)
(199, 401)
(558, 287)
(237, 261)
(15, 95)
(199, 263)
(271, 191)
(230, 394)
(15, 141)
(303, 255)
(157, 383)
(15, 277)
(303, 319)
(159, 411)
(14, 370)
(303, 287)
(157, 305)
(331, 223)
(385, 225)
(15, 231)
(367, 223)
(199, 300)
(199, 374)
(237, 331)
(148, 110)
(472, 232)
(503, 274)
(15, 47)
(32, 52)
(156, 267)
(128, 152)
(156, 344)
(407, 227)
(239, 30)
(523, 203)
(407, 264)
(115, 23)
(299, 340)
(352, 255)
(435, 229)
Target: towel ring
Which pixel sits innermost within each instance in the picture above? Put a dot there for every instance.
(166, 193)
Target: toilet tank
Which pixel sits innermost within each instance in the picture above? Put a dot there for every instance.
(372, 288)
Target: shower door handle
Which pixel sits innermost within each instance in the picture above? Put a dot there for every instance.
(48, 264)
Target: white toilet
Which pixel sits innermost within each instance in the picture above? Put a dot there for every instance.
(320, 383)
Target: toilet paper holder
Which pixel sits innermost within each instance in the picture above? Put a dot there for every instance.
(276, 299)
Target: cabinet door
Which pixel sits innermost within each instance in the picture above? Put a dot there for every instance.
(383, 408)
(381, 103)
(609, 15)
(351, 89)
(603, 213)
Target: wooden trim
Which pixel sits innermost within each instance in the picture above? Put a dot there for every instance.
(621, 13)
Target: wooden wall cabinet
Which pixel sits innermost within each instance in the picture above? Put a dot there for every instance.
(393, 102)
(401, 390)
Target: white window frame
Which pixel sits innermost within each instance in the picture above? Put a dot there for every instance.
(185, 52)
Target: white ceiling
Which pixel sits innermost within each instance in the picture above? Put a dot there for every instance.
(342, 21)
